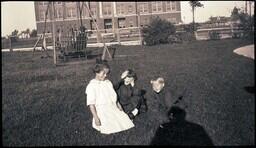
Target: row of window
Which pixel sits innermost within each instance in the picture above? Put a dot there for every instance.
(107, 9)
(143, 7)
(46, 3)
(122, 23)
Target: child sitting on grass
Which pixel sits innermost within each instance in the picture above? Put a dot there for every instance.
(108, 116)
(162, 100)
(130, 95)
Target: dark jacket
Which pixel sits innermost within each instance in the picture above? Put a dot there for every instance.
(159, 104)
(128, 96)
(162, 101)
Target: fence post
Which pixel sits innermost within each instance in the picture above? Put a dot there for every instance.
(53, 35)
(10, 44)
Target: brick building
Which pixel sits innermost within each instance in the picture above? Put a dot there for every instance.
(108, 15)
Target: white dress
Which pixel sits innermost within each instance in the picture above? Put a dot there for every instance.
(103, 96)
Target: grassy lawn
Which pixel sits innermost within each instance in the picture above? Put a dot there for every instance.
(44, 105)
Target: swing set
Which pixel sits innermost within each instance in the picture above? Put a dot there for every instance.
(75, 43)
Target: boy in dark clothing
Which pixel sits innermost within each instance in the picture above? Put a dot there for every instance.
(162, 101)
(130, 95)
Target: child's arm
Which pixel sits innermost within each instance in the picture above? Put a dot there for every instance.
(119, 106)
(118, 84)
(94, 114)
(121, 82)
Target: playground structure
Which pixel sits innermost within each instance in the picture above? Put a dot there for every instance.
(74, 44)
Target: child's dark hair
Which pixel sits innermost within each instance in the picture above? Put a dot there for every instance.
(131, 73)
(99, 67)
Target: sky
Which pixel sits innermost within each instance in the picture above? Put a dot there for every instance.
(20, 15)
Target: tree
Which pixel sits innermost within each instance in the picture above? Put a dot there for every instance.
(33, 33)
(211, 19)
(27, 32)
(158, 31)
(190, 27)
(244, 21)
(194, 4)
(235, 14)
(15, 33)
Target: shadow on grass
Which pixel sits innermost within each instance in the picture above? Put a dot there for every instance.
(180, 132)
(250, 89)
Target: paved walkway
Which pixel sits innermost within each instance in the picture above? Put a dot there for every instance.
(247, 51)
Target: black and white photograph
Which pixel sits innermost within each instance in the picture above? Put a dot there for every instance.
(128, 73)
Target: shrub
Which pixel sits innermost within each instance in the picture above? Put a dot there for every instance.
(189, 27)
(186, 36)
(33, 33)
(158, 31)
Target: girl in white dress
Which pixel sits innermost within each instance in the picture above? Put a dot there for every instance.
(108, 115)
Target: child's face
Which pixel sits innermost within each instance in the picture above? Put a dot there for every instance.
(128, 80)
(157, 87)
(102, 74)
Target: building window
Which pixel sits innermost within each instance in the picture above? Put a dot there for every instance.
(93, 8)
(70, 2)
(121, 22)
(59, 13)
(159, 6)
(120, 9)
(156, 6)
(58, 3)
(106, 8)
(71, 12)
(92, 24)
(130, 9)
(168, 6)
(42, 15)
(45, 3)
(93, 11)
(83, 12)
(107, 23)
(131, 23)
(144, 21)
(173, 6)
(143, 7)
